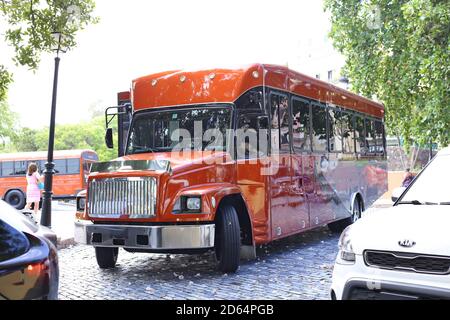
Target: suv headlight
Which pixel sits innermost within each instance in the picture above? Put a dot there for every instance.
(346, 252)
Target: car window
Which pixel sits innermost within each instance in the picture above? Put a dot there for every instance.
(432, 184)
(13, 243)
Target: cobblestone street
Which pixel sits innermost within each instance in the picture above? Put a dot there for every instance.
(298, 267)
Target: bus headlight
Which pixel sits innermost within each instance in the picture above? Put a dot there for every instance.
(188, 204)
(346, 253)
(193, 204)
(81, 203)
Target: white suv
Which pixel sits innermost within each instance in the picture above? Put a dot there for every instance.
(402, 252)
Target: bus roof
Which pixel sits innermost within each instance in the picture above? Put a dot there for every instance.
(42, 155)
(179, 87)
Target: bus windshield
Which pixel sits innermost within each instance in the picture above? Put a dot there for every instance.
(193, 128)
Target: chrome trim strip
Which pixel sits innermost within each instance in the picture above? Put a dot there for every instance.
(159, 237)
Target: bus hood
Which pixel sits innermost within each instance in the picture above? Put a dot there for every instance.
(164, 161)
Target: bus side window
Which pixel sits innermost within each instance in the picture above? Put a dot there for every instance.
(319, 128)
(379, 130)
(360, 135)
(348, 133)
(370, 136)
(274, 123)
(300, 125)
(60, 166)
(20, 168)
(7, 168)
(249, 145)
(285, 137)
(73, 166)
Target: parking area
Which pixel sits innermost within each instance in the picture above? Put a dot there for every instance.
(298, 267)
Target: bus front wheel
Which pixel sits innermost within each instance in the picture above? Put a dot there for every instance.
(16, 199)
(106, 257)
(228, 239)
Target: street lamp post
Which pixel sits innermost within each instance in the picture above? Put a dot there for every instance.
(46, 217)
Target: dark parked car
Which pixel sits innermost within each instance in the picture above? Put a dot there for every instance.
(28, 258)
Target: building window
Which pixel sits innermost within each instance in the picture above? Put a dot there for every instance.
(330, 75)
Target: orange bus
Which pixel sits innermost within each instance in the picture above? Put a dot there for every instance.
(274, 153)
(71, 171)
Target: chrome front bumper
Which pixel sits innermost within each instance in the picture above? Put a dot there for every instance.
(145, 237)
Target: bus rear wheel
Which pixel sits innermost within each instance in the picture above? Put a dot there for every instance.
(339, 226)
(227, 239)
(16, 199)
(106, 257)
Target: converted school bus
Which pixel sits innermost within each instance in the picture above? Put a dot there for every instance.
(328, 145)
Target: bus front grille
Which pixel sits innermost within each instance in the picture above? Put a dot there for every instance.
(119, 197)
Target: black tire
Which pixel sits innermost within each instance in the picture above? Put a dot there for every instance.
(228, 239)
(106, 257)
(339, 226)
(16, 199)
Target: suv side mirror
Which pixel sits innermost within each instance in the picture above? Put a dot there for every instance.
(396, 193)
(109, 138)
(263, 122)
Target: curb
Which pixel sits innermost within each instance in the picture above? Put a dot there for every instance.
(65, 243)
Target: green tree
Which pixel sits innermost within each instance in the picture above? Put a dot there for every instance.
(84, 135)
(8, 122)
(29, 27)
(398, 51)
(26, 140)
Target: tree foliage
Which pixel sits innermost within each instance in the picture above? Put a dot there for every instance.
(85, 135)
(29, 27)
(8, 121)
(398, 51)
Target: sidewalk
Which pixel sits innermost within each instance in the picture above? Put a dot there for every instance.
(63, 218)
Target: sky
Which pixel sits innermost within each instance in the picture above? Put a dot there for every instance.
(135, 38)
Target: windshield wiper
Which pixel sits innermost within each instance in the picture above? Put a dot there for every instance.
(414, 202)
(419, 203)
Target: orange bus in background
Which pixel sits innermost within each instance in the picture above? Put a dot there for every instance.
(71, 171)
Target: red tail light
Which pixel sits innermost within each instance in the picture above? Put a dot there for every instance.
(37, 268)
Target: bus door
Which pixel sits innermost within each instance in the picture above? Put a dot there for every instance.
(251, 156)
(280, 178)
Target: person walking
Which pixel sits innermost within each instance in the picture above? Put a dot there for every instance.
(407, 178)
(34, 183)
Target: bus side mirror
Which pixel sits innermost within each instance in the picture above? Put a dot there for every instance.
(263, 122)
(109, 138)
